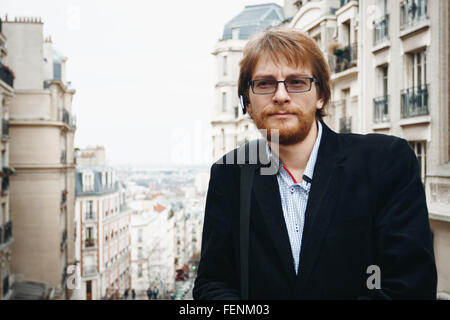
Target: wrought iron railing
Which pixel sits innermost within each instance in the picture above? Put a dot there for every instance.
(381, 109)
(91, 216)
(411, 12)
(345, 125)
(6, 75)
(5, 184)
(5, 128)
(381, 29)
(414, 102)
(89, 243)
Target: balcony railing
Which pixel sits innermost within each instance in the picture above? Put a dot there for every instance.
(345, 125)
(381, 29)
(5, 128)
(91, 216)
(5, 184)
(6, 75)
(89, 243)
(344, 58)
(411, 12)
(63, 197)
(414, 102)
(5, 285)
(63, 239)
(5, 232)
(381, 109)
(63, 156)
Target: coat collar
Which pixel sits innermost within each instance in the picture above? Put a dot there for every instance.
(322, 199)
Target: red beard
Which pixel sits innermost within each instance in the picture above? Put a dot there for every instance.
(288, 134)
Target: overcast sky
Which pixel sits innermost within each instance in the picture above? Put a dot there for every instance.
(123, 59)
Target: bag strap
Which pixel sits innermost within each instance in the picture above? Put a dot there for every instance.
(246, 186)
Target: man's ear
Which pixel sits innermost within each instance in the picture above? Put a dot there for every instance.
(319, 104)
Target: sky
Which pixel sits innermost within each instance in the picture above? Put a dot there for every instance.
(143, 72)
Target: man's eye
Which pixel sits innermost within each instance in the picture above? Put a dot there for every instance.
(264, 83)
(297, 82)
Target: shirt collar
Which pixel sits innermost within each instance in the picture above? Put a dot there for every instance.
(309, 169)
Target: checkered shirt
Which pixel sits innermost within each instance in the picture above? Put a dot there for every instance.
(294, 197)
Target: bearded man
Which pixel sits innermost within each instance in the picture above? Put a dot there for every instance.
(343, 217)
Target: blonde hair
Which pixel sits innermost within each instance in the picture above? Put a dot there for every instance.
(296, 48)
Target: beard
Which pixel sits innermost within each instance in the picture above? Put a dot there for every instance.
(288, 132)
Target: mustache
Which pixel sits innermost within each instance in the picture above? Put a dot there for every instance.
(278, 110)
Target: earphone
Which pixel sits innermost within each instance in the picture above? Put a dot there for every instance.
(241, 100)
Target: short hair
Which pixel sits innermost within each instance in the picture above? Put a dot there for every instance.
(297, 48)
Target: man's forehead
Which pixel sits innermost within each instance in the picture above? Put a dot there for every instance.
(266, 60)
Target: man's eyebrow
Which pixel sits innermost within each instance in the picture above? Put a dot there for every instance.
(271, 76)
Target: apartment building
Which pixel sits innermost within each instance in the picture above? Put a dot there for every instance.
(230, 127)
(102, 242)
(405, 92)
(6, 94)
(41, 131)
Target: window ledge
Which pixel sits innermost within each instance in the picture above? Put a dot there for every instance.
(415, 120)
(386, 44)
(380, 126)
(410, 30)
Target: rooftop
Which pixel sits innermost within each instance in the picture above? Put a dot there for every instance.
(253, 19)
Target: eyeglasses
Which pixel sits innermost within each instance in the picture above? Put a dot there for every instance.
(292, 85)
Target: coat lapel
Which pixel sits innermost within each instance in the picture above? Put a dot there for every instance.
(267, 195)
(321, 203)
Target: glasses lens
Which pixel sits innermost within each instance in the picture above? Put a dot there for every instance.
(298, 84)
(264, 86)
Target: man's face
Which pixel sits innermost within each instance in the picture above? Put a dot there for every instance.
(292, 114)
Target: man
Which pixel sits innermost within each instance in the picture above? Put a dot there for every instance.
(343, 217)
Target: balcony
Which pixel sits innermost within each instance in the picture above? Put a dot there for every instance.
(63, 239)
(90, 216)
(7, 75)
(381, 30)
(414, 102)
(5, 286)
(412, 12)
(344, 58)
(345, 125)
(63, 158)
(5, 128)
(89, 243)
(64, 197)
(381, 109)
(5, 185)
(5, 232)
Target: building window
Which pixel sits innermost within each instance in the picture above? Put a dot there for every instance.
(420, 148)
(414, 98)
(223, 140)
(224, 101)
(225, 65)
(140, 253)
(235, 33)
(140, 235)
(139, 270)
(381, 102)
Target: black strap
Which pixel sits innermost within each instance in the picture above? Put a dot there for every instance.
(246, 184)
(247, 173)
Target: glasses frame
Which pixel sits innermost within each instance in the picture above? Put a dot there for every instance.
(312, 80)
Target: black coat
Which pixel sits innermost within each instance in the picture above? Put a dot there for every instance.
(366, 207)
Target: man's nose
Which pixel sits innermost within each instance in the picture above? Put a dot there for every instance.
(281, 95)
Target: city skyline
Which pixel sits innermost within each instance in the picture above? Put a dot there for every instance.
(120, 61)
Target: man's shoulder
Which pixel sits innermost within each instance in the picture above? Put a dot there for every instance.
(371, 142)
